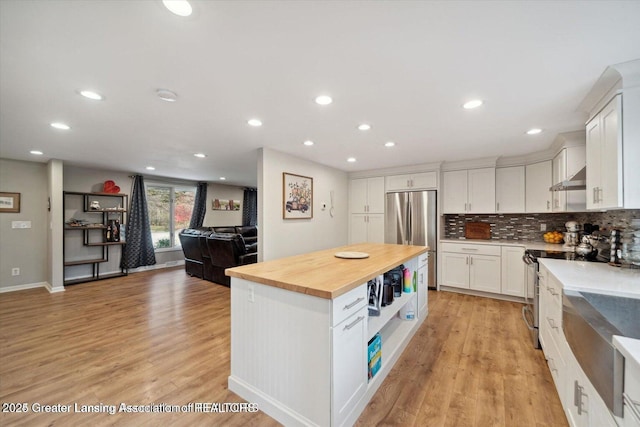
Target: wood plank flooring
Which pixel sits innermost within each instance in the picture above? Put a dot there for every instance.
(164, 337)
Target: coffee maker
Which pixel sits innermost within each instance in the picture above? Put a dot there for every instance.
(571, 236)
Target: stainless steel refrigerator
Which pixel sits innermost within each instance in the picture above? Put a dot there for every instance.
(411, 219)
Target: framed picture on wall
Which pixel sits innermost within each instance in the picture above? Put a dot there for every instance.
(297, 196)
(225, 205)
(10, 202)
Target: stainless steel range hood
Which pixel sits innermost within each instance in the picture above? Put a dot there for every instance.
(576, 182)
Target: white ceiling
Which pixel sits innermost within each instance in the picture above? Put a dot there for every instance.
(405, 67)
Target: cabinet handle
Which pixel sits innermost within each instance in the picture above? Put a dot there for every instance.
(411, 182)
(552, 291)
(594, 197)
(465, 207)
(578, 392)
(552, 364)
(548, 205)
(469, 249)
(466, 260)
(469, 207)
(408, 183)
(552, 323)
(470, 260)
(348, 306)
(633, 406)
(498, 207)
(352, 324)
(600, 196)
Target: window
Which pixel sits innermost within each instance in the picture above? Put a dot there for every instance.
(169, 212)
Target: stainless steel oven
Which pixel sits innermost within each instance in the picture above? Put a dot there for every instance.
(530, 310)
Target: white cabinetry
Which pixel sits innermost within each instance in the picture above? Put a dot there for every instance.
(471, 266)
(416, 181)
(537, 183)
(469, 191)
(367, 228)
(513, 271)
(568, 162)
(366, 195)
(604, 157)
(510, 189)
(366, 205)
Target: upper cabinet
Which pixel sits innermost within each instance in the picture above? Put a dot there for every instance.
(416, 181)
(567, 163)
(613, 138)
(537, 183)
(510, 190)
(604, 156)
(469, 191)
(366, 195)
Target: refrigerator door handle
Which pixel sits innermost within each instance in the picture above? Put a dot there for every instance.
(409, 225)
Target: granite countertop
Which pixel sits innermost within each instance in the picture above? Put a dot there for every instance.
(324, 275)
(508, 242)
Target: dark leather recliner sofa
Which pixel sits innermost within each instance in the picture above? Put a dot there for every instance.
(208, 251)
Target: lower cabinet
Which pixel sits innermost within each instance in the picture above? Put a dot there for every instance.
(582, 404)
(513, 271)
(471, 266)
(349, 356)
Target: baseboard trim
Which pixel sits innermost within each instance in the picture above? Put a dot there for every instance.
(26, 286)
(482, 294)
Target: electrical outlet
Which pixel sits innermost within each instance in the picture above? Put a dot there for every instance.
(251, 293)
(15, 271)
(543, 227)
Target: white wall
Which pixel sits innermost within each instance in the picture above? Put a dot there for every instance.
(223, 218)
(26, 249)
(279, 237)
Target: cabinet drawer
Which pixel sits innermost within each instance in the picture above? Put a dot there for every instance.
(347, 304)
(471, 249)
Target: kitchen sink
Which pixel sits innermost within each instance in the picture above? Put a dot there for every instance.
(589, 321)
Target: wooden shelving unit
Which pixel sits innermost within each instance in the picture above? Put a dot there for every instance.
(91, 247)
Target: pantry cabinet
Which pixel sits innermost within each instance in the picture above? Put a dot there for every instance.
(510, 189)
(604, 157)
(469, 191)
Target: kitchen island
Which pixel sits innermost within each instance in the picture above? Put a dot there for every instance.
(300, 330)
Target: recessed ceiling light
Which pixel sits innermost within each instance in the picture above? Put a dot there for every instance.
(62, 126)
(351, 159)
(36, 152)
(223, 178)
(324, 100)
(534, 131)
(389, 144)
(364, 126)
(91, 95)
(308, 143)
(150, 168)
(179, 7)
(167, 95)
(255, 122)
(200, 155)
(475, 103)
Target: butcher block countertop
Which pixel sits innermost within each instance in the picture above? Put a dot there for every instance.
(324, 275)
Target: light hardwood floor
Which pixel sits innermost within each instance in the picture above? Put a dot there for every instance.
(163, 337)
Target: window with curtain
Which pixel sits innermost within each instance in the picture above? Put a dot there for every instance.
(170, 208)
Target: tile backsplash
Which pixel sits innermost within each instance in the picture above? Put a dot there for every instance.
(526, 227)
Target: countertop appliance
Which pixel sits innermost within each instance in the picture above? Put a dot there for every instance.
(530, 311)
(411, 219)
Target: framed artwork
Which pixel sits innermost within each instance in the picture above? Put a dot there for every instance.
(225, 205)
(10, 202)
(297, 196)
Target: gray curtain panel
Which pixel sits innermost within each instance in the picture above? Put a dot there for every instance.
(138, 250)
(199, 206)
(250, 207)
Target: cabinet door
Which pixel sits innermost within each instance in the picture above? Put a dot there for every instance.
(484, 273)
(398, 182)
(611, 156)
(537, 183)
(349, 356)
(481, 194)
(426, 180)
(593, 162)
(510, 192)
(455, 270)
(559, 174)
(454, 188)
(422, 291)
(375, 195)
(375, 228)
(513, 271)
(358, 228)
(358, 196)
